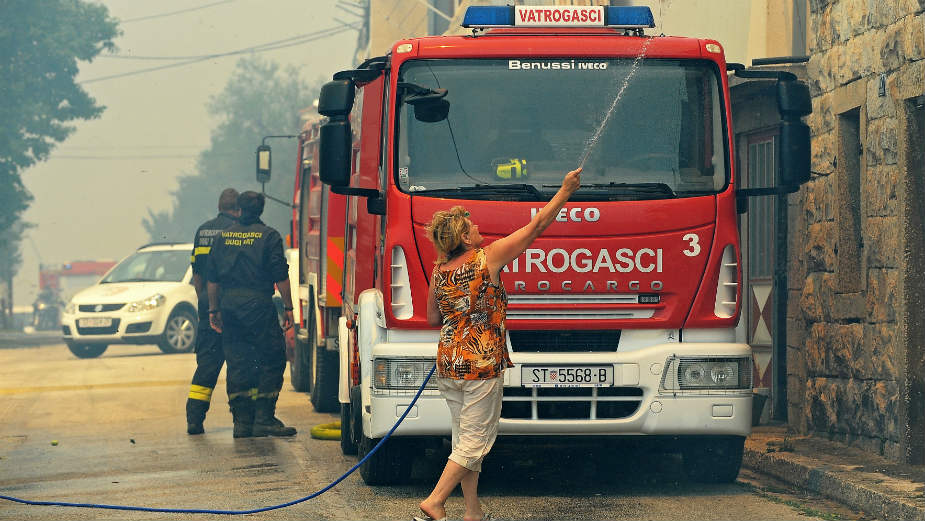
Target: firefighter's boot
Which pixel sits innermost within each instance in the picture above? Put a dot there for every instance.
(266, 423)
(242, 412)
(195, 415)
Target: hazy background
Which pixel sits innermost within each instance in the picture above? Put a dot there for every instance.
(98, 185)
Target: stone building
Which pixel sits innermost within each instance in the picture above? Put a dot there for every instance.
(856, 314)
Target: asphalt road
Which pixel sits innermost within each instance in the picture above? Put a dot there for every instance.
(112, 430)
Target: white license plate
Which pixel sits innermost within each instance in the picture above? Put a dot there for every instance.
(94, 322)
(566, 376)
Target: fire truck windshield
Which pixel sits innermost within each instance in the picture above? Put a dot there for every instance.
(525, 122)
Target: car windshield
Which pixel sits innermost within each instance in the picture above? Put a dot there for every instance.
(514, 127)
(151, 266)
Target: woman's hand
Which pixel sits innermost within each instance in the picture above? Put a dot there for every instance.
(506, 249)
(572, 181)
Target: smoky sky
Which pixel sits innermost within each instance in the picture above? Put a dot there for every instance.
(91, 195)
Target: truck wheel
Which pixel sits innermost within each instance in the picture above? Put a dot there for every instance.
(325, 373)
(87, 350)
(390, 465)
(347, 446)
(713, 460)
(351, 423)
(300, 369)
(179, 332)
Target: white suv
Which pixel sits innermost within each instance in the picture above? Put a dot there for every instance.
(145, 299)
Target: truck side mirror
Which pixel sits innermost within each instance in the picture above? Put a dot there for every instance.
(334, 151)
(263, 164)
(336, 98)
(794, 155)
(432, 111)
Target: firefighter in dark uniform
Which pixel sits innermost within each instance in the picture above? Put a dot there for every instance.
(209, 354)
(246, 261)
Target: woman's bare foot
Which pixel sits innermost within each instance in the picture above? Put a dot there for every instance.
(434, 511)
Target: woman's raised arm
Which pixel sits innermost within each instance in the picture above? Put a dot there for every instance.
(506, 249)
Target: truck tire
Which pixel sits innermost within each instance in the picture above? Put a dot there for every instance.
(351, 423)
(325, 364)
(390, 465)
(347, 446)
(87, 350)
(713, 460)
(300, 369)
(179, 332)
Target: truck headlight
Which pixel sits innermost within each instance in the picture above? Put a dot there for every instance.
(707, 373)
(147, 304)
(390, 373)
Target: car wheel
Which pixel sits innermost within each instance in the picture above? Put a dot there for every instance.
(87, 350)
(179, 332)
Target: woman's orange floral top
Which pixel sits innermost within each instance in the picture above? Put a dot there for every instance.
(472, 342)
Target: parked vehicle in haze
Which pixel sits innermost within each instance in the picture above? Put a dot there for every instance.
(317, 236)
(46, 310)
(58, 283)
(146, 298)
(621, 317)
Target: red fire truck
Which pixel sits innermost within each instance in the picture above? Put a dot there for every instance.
(318, 233)
(621, 316)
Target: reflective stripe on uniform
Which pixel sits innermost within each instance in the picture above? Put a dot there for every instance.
(240, 394)
(273, 394)
(198, 392)
(202, 250)
(253, 393)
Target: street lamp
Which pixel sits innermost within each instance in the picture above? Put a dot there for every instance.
(264, 161)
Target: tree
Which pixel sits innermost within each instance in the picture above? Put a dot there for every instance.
(259, 100)
(41, 44)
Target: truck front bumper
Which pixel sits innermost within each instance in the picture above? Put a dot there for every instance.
(638, 404)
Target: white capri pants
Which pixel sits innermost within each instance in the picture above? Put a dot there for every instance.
(475, 407)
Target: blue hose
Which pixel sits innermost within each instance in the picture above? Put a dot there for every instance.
(235, 512)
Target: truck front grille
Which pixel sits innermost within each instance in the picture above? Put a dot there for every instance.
(581, 403)
(564, 341)
(594, 306)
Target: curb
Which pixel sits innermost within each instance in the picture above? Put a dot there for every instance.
(16, 340)
(831, 482)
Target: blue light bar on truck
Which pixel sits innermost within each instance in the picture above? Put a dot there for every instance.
(627, 17)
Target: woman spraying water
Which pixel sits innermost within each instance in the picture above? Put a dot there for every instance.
(468, 300)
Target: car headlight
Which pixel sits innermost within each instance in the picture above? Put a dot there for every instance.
(147, 304)
(389, 373)
(70, 308)
(695, 373)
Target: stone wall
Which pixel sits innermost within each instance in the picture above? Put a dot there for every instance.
(847, 359)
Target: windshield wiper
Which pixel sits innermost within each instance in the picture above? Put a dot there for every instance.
(629, 188)
(519, 190)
